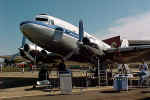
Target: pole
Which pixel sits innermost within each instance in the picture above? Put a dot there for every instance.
(23, 68)
(87, 79)
(35, 59)
(1, 68)
(32, 66)
(98, 72)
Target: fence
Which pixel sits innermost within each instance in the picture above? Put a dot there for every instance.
(80, 78)
(15, 68)
(10, 69)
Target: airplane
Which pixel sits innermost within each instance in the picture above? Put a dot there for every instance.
(58, 39)
(73, 43)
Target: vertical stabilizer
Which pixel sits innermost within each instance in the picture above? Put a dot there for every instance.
(124, 43)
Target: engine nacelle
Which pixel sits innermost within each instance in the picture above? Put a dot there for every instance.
(31, 47)
(30, 51)
(87, 41)
(26, 47)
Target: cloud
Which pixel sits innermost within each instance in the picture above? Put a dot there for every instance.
(132, 27)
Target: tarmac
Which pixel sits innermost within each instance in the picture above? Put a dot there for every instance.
(107, 93)
(28, 91)
(18, 86)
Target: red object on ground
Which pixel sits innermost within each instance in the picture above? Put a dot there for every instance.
(30, 65)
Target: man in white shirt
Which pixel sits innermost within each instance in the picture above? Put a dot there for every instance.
(123, 69)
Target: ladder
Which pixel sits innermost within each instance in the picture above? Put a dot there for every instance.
(102, 74)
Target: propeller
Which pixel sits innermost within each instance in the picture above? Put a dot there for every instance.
(82, 39)
(81, 36)
(23, 41)
(18, 53)
(70, 54)
(81, 31)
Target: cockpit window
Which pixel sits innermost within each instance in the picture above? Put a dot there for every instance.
(41, 19)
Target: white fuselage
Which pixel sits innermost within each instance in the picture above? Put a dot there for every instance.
(42, 32)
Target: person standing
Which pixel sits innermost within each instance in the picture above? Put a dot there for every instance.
(62, 66)
(143, 68)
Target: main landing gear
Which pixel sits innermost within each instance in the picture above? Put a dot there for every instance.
(43, 77)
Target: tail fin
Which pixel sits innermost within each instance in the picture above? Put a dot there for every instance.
(124, 43)
(113, 42)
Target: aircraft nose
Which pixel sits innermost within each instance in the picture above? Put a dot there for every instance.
(31, 29)
(22, 23)
(35, 30)
(25, 22)
(27, 27)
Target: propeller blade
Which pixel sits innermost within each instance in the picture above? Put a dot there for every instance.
(14, 56)
(23, 41)
(71, 54)
(29, 56)
(17, 54)
(81, 35)
(81, 31)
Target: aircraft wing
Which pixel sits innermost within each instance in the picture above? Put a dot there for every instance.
(116, 42)
(131, 54)
(5, 57)
(9, 57)
(138, 42)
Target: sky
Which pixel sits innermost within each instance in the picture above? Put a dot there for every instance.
(102, 18)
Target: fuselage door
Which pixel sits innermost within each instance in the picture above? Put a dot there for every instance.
(58, 34)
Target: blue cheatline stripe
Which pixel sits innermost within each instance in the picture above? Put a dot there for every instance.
(66, 31)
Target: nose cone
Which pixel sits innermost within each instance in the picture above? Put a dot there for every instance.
(37, 31)
(27, 28)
